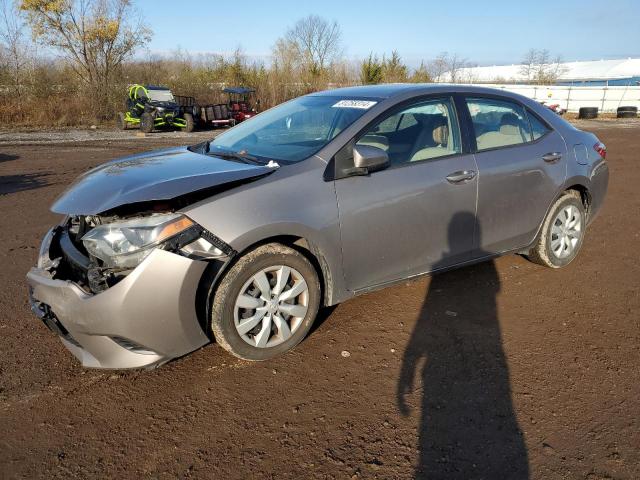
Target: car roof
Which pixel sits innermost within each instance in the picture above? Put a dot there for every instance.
(389, 90)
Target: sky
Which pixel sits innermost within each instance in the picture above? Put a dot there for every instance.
(484, 32)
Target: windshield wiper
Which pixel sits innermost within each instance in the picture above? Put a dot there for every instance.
(242, 156)
(204, 148)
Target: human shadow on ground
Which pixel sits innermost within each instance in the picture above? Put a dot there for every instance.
(23, 181)
(468, 428)
(7, 157)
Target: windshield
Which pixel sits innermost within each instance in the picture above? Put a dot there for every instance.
(161, 95)
(294, 130)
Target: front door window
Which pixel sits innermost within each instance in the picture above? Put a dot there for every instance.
(417, 133)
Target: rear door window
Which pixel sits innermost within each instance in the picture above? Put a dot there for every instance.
(498, 123)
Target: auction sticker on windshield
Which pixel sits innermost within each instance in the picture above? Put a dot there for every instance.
(363, 104)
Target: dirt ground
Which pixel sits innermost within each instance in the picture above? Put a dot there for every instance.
(501, 370)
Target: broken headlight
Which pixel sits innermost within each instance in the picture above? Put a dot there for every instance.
(125, 243)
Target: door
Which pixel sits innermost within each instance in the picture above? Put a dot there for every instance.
(521, 165)
(417, 214)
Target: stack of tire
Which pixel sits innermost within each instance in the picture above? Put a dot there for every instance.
(627, 112)
(588, 112)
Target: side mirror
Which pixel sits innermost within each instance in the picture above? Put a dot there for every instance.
(369, 159)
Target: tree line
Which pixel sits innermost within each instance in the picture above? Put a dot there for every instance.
(69, 62)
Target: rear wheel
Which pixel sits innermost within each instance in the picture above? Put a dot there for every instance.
(146, 122)
(121, 123)
(562, 232)
(266, 303)
(189, 122)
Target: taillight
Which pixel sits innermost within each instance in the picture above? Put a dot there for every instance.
(601, 148)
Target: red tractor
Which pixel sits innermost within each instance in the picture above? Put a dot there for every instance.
(239, 103)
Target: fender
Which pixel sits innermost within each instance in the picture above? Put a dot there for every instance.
(328, 258)
(577, 180)
(256, 212)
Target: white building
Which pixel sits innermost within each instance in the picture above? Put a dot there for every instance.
(625, 72)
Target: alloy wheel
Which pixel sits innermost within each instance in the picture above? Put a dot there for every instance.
(566, 231)
(271, 306)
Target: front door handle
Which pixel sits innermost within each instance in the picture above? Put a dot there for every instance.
(461, 176)
(552, 157)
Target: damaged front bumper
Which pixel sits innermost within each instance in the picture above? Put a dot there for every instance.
(144, 320)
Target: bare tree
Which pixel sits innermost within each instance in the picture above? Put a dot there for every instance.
(447, 67)
(14, 44)
(456, 67)
(285, 56)
(528, 64)
(556, 69)
(95, 36)
(540, 68)
(316, 41)
(438, 67)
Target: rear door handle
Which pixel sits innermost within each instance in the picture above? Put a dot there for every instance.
(461, 176)
(552, 157)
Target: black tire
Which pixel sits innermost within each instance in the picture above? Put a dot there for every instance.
(588, 112)
(627, 112)
(229, 288)
(542, 252)
(146, 122)
(189, 123)
(121, 123)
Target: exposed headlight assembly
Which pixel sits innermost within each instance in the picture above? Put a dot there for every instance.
(124, 244)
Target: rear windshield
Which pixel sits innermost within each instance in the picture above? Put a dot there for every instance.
(294, 130)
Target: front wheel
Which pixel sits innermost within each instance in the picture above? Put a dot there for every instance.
(266, 303)
(562, 232)
(121, 122)
(189, 123)
(146, 122)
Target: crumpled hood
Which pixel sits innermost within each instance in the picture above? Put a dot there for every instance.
(159, 175)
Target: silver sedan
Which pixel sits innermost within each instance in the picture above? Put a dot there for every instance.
(242, 239)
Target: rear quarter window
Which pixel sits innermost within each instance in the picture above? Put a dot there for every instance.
(538, 129)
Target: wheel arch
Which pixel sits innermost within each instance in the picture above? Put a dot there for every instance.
(584, 192)
(310, 250)
(215, 271)
(579, 184)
